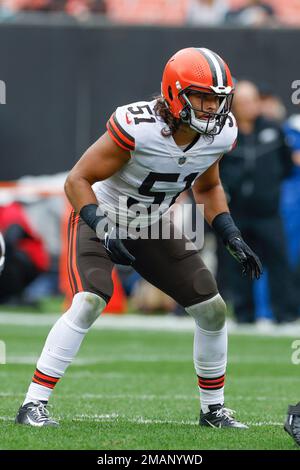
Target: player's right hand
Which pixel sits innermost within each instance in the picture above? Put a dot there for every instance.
(115, 247)
(244, 255)
(110, 236)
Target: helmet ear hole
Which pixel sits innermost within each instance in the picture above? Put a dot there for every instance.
(184, 115)
(170, 93)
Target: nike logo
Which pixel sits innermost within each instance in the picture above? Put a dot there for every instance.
(128, 120)
(34, 423)
(212, 425)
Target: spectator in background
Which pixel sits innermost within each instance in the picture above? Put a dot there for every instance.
(291, 196)
(272, 107)
(80, 9)
(12, 7)
(292, 130)
(83, 9)
(26, 256)
(252, 175)
(206, 12)
(253, 13)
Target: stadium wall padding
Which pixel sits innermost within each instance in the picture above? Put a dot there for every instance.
(63, 82)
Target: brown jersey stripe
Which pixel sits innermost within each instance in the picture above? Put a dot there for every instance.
(125, 134)
(117, 139)
(118, 130)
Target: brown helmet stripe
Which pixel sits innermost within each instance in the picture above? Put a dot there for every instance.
(222, 67)
(211, 66)
(217, 66)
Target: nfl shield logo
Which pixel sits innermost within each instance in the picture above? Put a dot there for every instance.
(181, 160)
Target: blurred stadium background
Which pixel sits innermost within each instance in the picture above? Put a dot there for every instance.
(65, 65)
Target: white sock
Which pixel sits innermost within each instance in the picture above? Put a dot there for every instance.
(210, 358)
(62, 344)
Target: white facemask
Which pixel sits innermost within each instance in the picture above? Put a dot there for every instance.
(204, 126)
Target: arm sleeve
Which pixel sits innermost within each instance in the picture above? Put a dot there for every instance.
(120, 127)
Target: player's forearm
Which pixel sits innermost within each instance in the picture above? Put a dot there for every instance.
(214, 201)
(79, 192)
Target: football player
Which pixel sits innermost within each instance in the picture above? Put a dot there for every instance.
(151, 152)
(292, 423)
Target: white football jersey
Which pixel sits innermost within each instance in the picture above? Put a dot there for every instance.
(159, 170)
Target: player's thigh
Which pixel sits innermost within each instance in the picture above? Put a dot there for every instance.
(177, 271)
(89, 267)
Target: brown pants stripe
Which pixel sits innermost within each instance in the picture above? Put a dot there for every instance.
(74, 276)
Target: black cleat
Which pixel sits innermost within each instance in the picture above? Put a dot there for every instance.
(292, 424)
(34, 414)
(220, 417)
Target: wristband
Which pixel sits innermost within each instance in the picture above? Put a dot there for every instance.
(225, 227)
(89, 215)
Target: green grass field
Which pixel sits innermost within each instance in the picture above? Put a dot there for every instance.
(137, 390)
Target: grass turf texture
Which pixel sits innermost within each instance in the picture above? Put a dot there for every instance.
(137, 390)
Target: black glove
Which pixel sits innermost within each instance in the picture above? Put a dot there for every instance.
(110, 236)
(115, 247)
(244, 255)
(232, 239)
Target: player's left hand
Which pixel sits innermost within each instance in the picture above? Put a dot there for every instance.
(244, 255)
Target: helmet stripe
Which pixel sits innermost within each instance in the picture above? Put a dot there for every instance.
(222, 67)
(210, 57)
(211, 65)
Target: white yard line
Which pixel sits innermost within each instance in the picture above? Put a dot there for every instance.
(148, 323)
(149, 358)
(150, 397)
(139, 420)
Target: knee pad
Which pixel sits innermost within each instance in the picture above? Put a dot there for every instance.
(209, 315)
(85, 309)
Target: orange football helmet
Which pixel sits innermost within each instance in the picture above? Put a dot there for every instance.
(197, 70)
